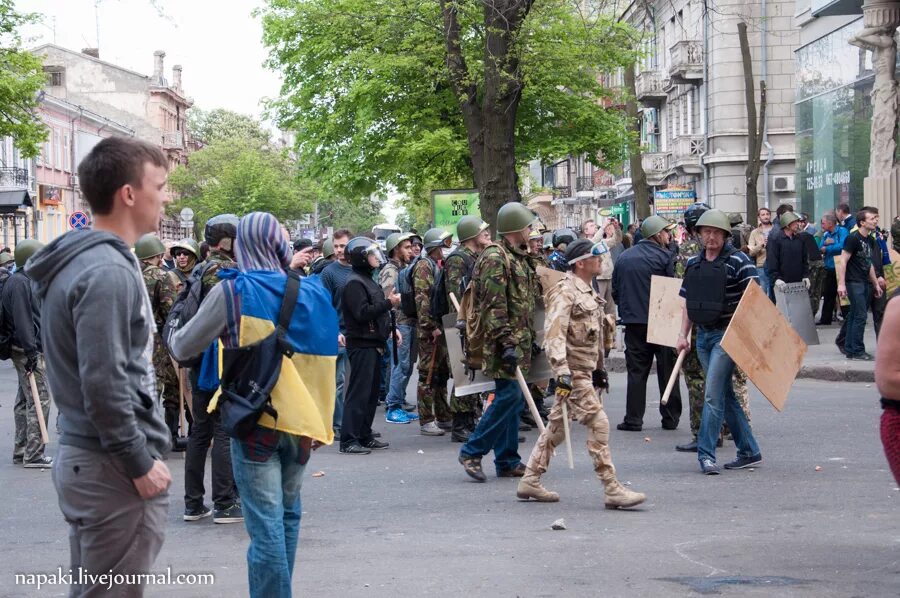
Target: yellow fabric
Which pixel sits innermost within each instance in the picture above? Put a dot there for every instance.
(304, 393)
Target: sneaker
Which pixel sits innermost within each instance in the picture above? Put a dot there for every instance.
(355, 449)
(709, 467)
(860, 357)
(195, 514)
(472, 465)
(408, 406)
(396, 416)
(232, 514)
(430, 429)
(742, 462)
(41, 463)
(376, 445)
(412, 416)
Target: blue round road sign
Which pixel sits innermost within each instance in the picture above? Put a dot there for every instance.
(78, 220)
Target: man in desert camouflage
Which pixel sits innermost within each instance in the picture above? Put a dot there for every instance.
(573, 339)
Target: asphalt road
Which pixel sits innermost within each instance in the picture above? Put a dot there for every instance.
(409, 522)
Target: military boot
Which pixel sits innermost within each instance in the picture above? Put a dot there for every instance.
(459, 431)
(619, 497)
(530, 487)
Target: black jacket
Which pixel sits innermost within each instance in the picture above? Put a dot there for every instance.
(631, 278)
(367, 322)
(787, 259)
(21, 315)
(813, 254)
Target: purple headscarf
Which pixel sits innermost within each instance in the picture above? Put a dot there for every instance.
(260, 244)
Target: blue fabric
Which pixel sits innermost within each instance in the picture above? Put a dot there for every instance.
(340, 375)
(268, 470)
(763, 277)
(260, 244)
(498, 428)
(208, 381)
(400, 374)
(334, 278)
(860, 294)
(720, 402)
(840, 236)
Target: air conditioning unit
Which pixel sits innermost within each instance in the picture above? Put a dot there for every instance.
(783, 183)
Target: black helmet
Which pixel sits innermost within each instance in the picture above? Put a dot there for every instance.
(563, 236)
(359, 249)
(693, 213)
(302, 243)
(223, 226)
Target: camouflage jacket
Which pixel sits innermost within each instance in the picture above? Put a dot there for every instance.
(535, 261)
(423, 280)
(455, 273)
(162, 288)
(686, 251)
(387, 278)
(215, 261)
(504, 292)
(573, 330)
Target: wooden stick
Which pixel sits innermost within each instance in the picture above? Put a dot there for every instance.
(675, 372)
(454, 302)
(45, 438)
(565, 414)
(529, 399)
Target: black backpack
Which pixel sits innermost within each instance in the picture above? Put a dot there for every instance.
(184, 309)
(250, 373)
(705, 285)
(407, 290)
(5, 330)
(440, 302)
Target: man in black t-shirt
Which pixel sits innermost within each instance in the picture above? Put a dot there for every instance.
(857, 281)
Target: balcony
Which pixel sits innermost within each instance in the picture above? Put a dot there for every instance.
(584, 183)
(656, 167)
(687, 152)
(686, 62)
(12, 177)
(173, 140)
(651, 87)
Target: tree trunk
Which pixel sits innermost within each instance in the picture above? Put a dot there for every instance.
(754, 128)
(638, 176)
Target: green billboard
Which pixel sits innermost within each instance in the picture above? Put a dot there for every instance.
(448, 206)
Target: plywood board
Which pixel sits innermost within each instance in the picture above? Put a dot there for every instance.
(664, 318)
(764, 345)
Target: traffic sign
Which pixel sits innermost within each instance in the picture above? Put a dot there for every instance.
(78, 220)
(187, 216)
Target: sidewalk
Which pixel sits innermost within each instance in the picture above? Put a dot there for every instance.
(823, 361)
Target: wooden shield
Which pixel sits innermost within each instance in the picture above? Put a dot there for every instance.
(763, 344)
(664, 318)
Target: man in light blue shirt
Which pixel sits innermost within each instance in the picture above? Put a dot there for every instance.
(833, 237)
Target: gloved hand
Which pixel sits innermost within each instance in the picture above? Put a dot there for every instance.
(780, 284)
(600, 379)
(807, 283)
(31, 363)
(509, 359)
(563, 386)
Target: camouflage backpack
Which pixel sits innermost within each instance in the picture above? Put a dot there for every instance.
(474, 318)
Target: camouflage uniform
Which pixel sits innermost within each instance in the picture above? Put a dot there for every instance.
(455, 272)
(432, 398)
(182, 274)
(162, 288)
(691, 368)
(215, 261)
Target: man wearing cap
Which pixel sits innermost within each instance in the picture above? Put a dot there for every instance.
(399, 253)
(573, 337)
(503, 292)
(631, 290)
(712, 293)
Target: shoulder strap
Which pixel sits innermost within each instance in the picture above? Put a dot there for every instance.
(291, 292)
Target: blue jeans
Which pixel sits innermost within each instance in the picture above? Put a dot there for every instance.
(268, 470)
(860, 294)
(340, 373)
(400, 373)
(764, 281)
(719, 399)
(498, 428)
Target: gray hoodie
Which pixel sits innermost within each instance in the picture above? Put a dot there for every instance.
(97, 335)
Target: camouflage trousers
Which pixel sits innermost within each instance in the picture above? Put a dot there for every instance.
(585, 407)
(432, 398)
(166, 376)
(28, 443)
(463, 405)
(695, 379)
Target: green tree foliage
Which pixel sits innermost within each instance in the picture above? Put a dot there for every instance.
(21, 79)
(213, 125)
(419, 94)
(357, 215)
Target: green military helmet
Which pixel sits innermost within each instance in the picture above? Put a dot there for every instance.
(469, 227)
(6, 258)
(25, 249)
(393, 240)
(787, 218)
(435, 238)
(548, 240)
(328, 248)
(652, 225)
(513, 217)
(735, 218)
(715, 219)
(188, 244)
(148, 246)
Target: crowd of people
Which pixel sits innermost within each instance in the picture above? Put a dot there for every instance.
(263, 348)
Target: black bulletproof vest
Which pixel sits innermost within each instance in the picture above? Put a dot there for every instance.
(705, 288)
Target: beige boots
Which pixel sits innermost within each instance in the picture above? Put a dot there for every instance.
(619, 497)
(530, 487)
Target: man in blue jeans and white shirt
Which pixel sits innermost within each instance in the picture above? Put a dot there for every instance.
(714, 282)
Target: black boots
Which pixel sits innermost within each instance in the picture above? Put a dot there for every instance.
(463, 426)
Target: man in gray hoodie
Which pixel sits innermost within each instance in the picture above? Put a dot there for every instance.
(97, 335)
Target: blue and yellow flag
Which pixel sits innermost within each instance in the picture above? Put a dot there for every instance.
(304, 393)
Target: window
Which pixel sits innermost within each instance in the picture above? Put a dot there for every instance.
(67, 154)
(57, 163)
(55, 75)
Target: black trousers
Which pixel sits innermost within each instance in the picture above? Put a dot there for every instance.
(204, 430)
(639, 356)
(829, 296)
(361, 399)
